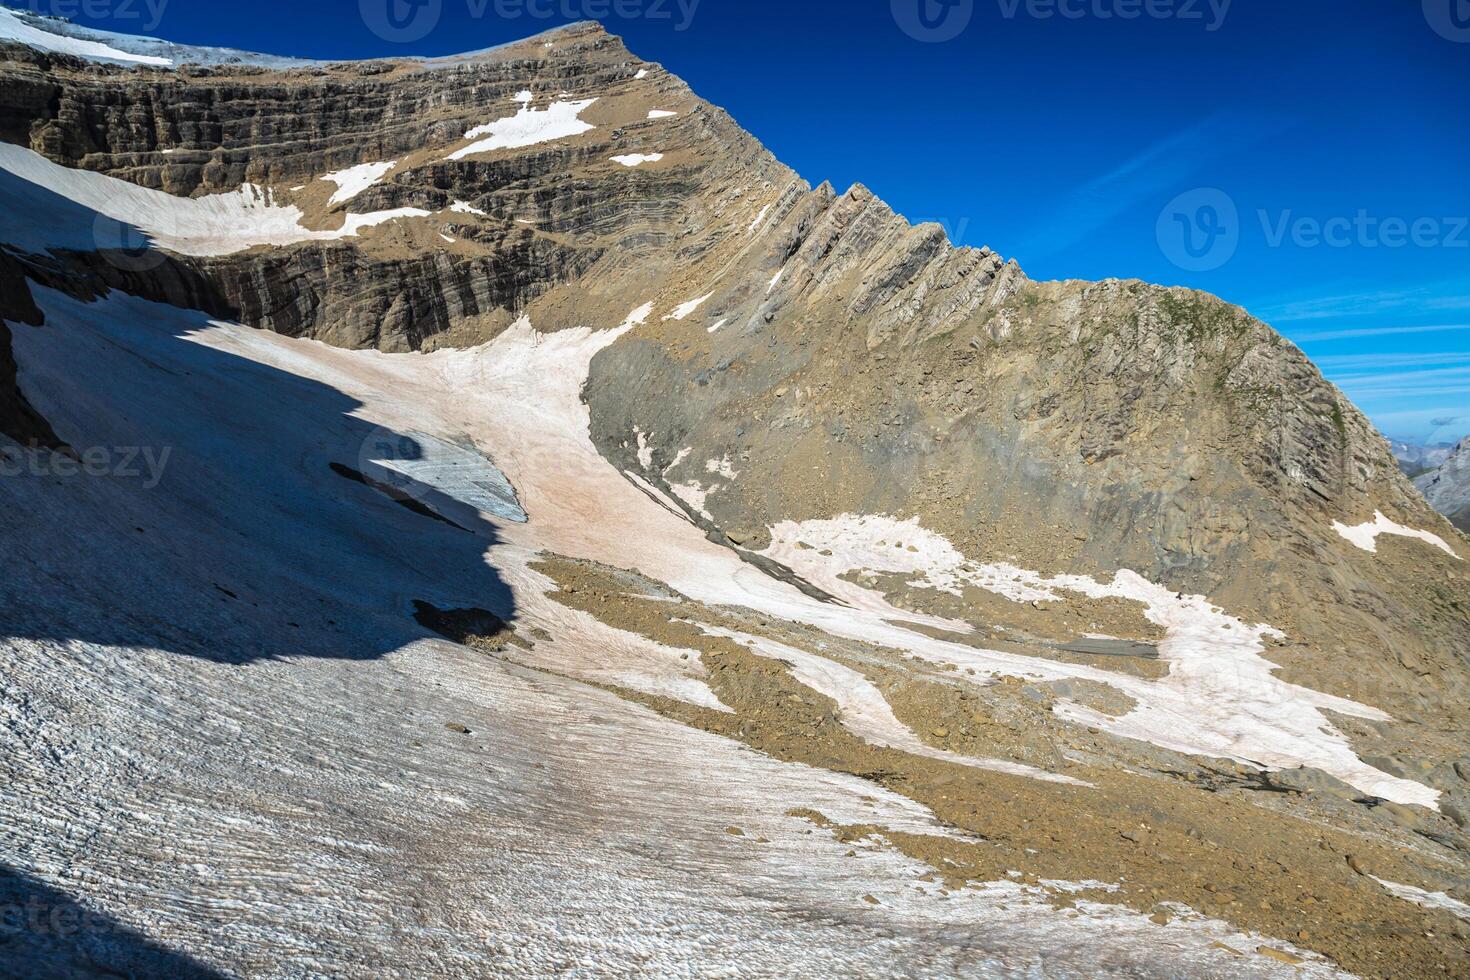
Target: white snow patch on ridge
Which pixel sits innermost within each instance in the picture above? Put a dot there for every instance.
(36, 194)
(462, 207)
(527, 127)
(12, 28)
(684, 309)
(634, 159)
(1365, 536)
(660, 113)
(1220, 698)
(1426, 899)
(354, 180)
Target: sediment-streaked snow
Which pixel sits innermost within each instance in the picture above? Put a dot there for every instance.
(12, 28)
(1365, 536)
(1220, 698)
(684, 309)
(865, 711)
(527, 127)
(354, 180)
(50, 206)
(635, 159)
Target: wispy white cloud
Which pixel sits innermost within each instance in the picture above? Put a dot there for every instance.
(1435, 297)
(1155, 173)
(1346, 363)
(1319, 336)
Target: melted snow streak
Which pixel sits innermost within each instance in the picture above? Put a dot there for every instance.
(1220, 698)
(1426, 899)
(220, 726)
(50, 206)
(1365, 536)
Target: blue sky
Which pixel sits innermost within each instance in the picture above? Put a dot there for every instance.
(1308, 159)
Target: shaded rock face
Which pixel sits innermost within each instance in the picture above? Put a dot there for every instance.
(840, 360)
(1448, 488)
(18, 419)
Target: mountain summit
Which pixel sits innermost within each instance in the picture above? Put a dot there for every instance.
(433, 477)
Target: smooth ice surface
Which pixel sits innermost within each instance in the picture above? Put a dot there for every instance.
(13, 28)
(527, 127)
(354, 180)
(417, 461)
(1365, 536)
(50, 206)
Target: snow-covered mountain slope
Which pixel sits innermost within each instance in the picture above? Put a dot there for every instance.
(523, 598)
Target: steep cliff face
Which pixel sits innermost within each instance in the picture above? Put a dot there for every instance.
(1447, 488)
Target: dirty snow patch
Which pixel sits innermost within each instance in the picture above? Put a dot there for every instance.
(1365, 536)
(1427, 899)
(864, 710)
(1221, 697)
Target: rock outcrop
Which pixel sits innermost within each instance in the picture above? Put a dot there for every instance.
(1447, 488)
